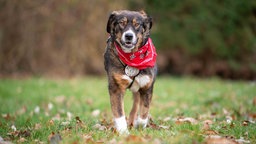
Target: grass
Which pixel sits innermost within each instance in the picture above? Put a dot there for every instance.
(72, 109)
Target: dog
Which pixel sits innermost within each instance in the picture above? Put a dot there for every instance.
(130, 63)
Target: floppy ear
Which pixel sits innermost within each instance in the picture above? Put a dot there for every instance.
(147, 25)
(149, 22)
(111, 20)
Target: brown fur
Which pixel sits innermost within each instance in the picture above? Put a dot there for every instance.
(117, 85)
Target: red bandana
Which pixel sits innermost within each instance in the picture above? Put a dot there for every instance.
(141, 59)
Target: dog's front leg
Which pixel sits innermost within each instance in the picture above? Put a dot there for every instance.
(145, 100)
(117, 106)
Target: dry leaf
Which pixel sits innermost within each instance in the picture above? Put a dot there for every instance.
(210, 132)
(50, 106)
(22, 140)
(206, 124)
(22, 110)
(65, 123)
(37, 126)
(186, 120)
(69, 115)
(96, 113)
(215, 139)
(99, 127)
(13, 128)
(135, 139)
(37, 109)
(50, 122)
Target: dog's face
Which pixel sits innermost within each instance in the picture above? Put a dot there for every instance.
(130, 29)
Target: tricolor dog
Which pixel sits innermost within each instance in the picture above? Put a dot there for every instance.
(130, 63)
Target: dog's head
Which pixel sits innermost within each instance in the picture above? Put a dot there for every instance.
(130, 29)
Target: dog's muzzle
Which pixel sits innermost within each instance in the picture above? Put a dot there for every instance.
(128, 40)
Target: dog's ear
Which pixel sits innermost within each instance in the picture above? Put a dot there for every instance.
(111, 20)
(148, 22)
(147, 25)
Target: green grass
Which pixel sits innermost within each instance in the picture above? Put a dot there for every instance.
(207, 99)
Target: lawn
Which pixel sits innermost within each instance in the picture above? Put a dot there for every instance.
(77, 110)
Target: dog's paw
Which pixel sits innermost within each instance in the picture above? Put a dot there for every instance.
(139, 122)
(121, 126)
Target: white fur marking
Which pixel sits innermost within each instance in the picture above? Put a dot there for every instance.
(142, 80)
(139, 82)
(125, 77)
(135, 86)
(139, 122)
(131, 32)
(121, 125)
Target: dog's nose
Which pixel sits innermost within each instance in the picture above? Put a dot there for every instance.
(129, 36)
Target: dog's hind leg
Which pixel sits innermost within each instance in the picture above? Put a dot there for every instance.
(135, 108)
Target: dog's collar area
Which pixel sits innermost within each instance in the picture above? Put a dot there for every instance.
(143, 58)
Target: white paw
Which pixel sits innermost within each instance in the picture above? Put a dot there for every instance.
(121, 125)
(139, 122)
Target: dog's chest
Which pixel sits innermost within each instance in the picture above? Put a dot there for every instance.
(140, 81)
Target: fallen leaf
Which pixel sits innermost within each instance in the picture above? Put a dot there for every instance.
(79, 123)
(50, 122)
(96, 113)
(210, 132)
(135, 139)
(37, 126)
(69, 115)
(164, 127)
(242, 140)
(8, 117)
(207, 124)
(22, 140)
(13, 128)
(186, 120)
(89, 101)
(245, 123)
(50, 106)
(99, 127)
(65, 123)
(216, 139)
(22, 110)
(37, 109)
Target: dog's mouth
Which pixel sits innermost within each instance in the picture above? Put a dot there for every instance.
(128, 44)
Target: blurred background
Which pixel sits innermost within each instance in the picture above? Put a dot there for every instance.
(68, 37)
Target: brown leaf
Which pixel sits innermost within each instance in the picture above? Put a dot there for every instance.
(22, 110)
(135, 139)
(50, 122)
(245, 123)
(206, 124)
(210, 132)
(186, 120)
(215, 139)
(37, 126)
(99, 127)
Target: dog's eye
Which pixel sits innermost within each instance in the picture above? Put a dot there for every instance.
(136, 25)
(122, 23)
